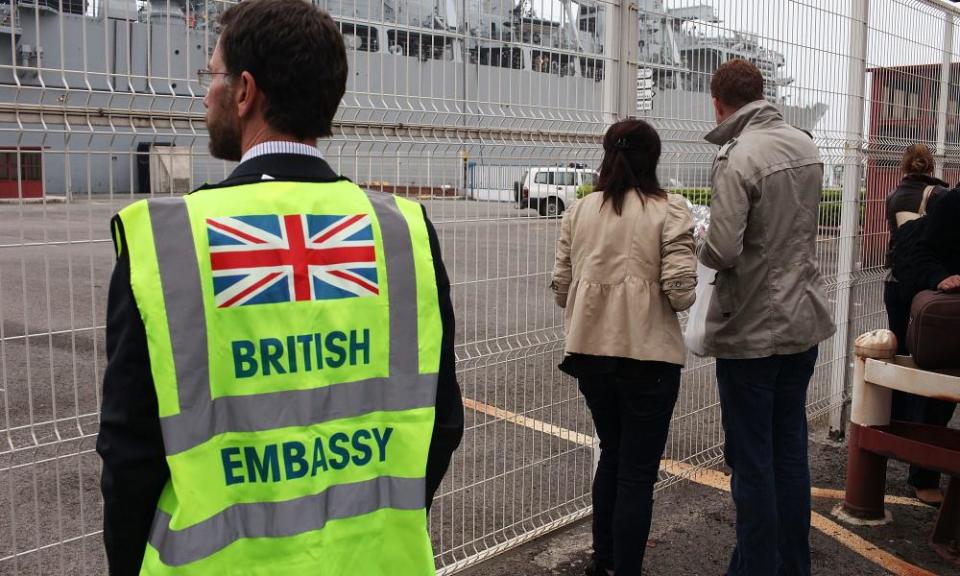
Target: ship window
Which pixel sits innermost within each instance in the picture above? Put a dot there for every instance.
(591, 68)
(551, 63)
(30, 166)
(422, 46)
(502, 57)
(67, 6)
(360, 37)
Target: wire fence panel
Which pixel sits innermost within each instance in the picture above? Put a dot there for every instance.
(490, 112)
(801, 51)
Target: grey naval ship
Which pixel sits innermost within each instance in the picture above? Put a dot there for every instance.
(101, 96)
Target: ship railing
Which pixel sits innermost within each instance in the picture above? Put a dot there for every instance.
(663, 67)
(42, 5)
(9, 20)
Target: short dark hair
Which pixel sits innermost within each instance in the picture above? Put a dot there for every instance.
(737, 83)
(295, 53)
(631, 152)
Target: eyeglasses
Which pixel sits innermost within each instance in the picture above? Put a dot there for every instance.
(205, 77)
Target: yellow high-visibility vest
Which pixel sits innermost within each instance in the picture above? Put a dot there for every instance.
(294, 337)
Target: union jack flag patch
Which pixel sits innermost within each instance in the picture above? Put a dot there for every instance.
(296, 258)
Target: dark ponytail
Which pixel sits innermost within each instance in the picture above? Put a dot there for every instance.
(631, 152)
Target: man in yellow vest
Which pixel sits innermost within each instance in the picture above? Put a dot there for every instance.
(280, 396)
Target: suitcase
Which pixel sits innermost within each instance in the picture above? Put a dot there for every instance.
(933, 334)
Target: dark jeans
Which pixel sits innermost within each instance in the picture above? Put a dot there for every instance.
(632, 416)
(910, 407)
(763, 402)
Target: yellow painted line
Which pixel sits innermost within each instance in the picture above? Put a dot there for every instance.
(682, 468)
(866, 549)
(538, 425)
(888, 499)
(674, 467)
(887, 561)
(720, 481)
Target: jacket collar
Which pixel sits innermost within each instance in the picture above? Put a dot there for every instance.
(284, 166)
(758, 114)
(926, 180)
(296, 167)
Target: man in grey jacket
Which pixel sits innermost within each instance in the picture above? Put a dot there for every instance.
(768, 314)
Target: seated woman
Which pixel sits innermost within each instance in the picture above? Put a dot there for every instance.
(625, 266)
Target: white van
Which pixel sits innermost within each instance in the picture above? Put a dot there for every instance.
(552, 189)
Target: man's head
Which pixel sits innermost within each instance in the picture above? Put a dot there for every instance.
(279, 71)
(735, 84)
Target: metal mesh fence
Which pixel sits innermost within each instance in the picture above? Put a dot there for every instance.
(490, 113)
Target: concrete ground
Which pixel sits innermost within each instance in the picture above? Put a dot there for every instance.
(526, 458)
(693, 534)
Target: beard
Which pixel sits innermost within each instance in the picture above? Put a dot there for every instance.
(223, 126)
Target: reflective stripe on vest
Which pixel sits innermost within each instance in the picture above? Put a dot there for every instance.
(202, 418)
(274, 519)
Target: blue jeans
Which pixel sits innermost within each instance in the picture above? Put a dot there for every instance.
(631, 410)
(763, 401)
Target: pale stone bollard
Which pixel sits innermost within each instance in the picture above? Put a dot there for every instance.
(871, 403)
(866, 471)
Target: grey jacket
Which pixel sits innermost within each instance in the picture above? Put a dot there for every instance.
(768, 297)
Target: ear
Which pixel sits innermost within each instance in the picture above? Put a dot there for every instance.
(247, 95)
(720, 110)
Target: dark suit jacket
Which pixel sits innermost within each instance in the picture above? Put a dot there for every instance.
(130, 442)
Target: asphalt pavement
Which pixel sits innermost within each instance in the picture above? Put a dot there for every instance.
(525, 463)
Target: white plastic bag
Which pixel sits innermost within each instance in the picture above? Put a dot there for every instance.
(696, 331)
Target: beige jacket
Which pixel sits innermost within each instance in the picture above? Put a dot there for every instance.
(768, 297)
(622, 279)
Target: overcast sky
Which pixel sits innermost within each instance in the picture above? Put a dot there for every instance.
(813, 36)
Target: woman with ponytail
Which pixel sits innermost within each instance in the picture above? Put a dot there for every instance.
(625, 266)
(918, 190)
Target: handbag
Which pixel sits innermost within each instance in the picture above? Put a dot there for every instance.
(695, 332)
(904, 217)
(933, 332)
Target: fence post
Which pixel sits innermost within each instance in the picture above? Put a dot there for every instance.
(620, 67)
(944, 100)
(850, 213)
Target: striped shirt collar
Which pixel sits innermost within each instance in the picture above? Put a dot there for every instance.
(281, 147)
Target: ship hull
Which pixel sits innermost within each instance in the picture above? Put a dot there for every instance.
(99, 66)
